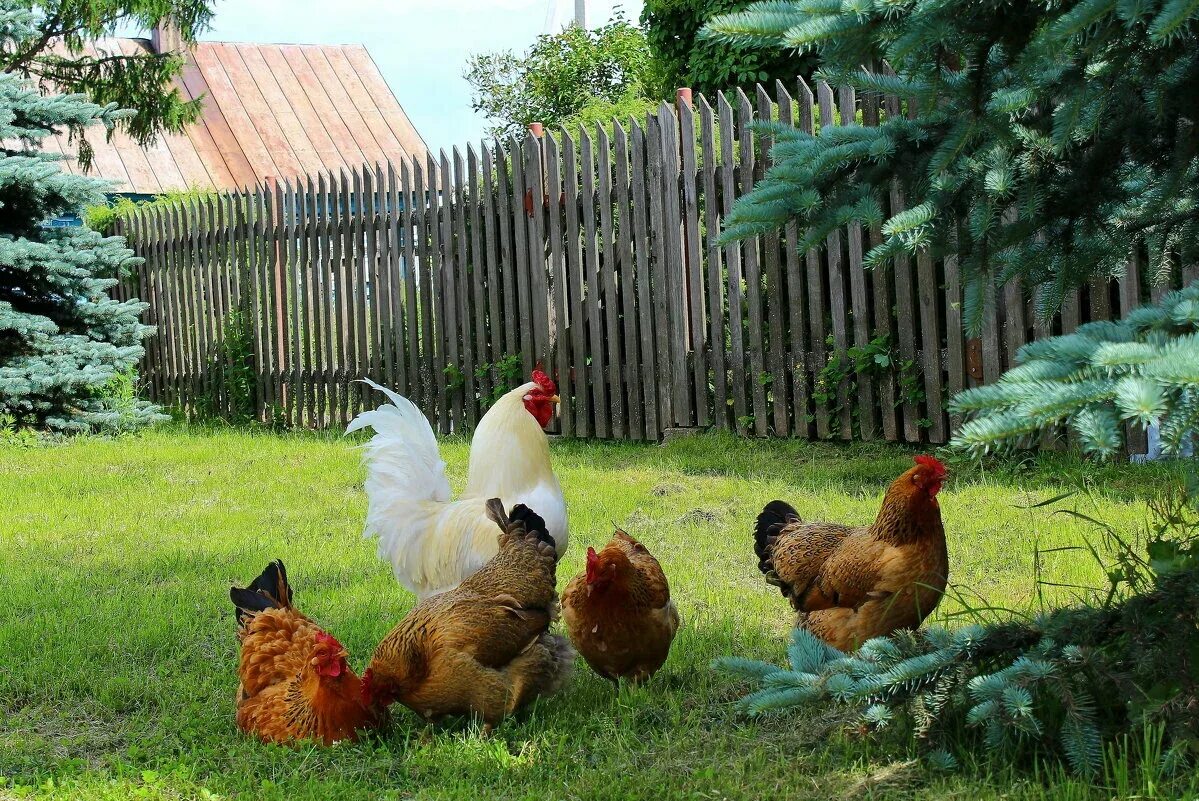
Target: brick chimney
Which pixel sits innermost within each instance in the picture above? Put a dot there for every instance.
(165, 38)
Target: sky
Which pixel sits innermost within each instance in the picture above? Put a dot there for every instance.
(420, 47)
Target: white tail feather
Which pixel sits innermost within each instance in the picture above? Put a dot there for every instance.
(405, 473)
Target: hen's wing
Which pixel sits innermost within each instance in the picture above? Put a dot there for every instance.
(796, 557)
(649, 570)
(499, 611)
(274, 645)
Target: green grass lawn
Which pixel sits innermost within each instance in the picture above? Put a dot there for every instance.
(118, 656)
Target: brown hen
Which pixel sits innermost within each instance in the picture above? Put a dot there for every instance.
(853, 583)
(618, 612)
(483, 648)
(295, 682)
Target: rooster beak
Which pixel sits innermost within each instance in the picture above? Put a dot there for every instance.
(555, 399)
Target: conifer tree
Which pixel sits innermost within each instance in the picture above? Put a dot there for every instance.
(62, 338)
(1039, 140)
(51, 47)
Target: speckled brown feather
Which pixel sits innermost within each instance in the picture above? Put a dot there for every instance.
(483, 648)
(280, 697)
(624, 630)
(851, 584)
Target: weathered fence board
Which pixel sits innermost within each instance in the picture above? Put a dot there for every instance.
(594, 255)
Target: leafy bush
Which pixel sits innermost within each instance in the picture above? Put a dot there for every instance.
(685, 58)
(103, 216)
(563, 78)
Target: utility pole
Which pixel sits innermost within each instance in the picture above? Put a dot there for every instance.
(581, 13)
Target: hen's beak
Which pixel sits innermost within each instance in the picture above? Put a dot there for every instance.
(343, 654)
(555, 399)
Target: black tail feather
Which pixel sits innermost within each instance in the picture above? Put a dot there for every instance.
(269, 590)
(774, 518)
(534, 523)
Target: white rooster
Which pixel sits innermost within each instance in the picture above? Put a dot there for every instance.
(433, 542)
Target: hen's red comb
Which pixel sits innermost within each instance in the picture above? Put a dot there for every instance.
(932, 463)
(325, 638)
(545, 383)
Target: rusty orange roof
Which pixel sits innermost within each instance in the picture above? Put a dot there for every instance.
(270, 111)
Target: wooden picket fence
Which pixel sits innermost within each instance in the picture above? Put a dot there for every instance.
(593, 255)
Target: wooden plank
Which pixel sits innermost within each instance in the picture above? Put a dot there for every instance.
(182, 269)
(859, 293)
(293, 306)
(360, 270)
(904, 311)
(1130, 298)
(575, 269)
(732, 259)
(640, 201)
(329, 298)
(814, 361)
(217, 301)
(954, 341)
(611, 305)
(674, 272)
(631, 363)
(520, 229)
(462, 286)
(339, 201)
(447, 309)
(715, 282)
(930, 336)
(538, 279)
(1071, 312)
(171, 273)
(836, 283)
(478, 277)
(379, 256)
(1015, 325)
(266, 269)
(992, 351)
(191, 303)
(407, 215)
(558, 300)
(142, 223)
(314, 267)
(198, 277)
(507, 263)
(495, 314)
(775, 294)
(795, 364)
(394, 268)
(693, 265)
(451, 285)
(1100, 298)
(662, 250)
(424, 226)
(438, 181)
(592, 314)
(248, 211)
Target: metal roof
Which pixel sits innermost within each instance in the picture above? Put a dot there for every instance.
(270, 111)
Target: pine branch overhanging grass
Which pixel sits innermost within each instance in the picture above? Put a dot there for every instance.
(1063, 684)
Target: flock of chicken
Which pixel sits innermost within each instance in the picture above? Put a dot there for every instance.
(484, 568)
